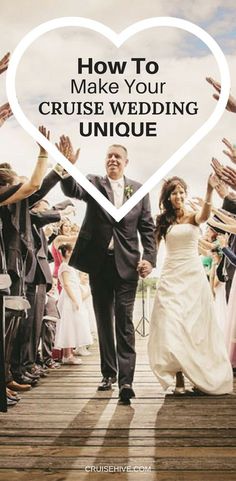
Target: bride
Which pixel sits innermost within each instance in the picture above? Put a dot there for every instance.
(185, 339)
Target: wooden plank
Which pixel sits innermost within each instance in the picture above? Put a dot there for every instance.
(158, 464)
(103, 422)
(109, 441)
(116, 452)
(153, 432)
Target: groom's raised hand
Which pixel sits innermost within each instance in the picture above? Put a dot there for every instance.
(144, 268)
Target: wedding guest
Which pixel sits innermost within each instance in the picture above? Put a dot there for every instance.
(64, 236)
(72, 328)
(18, 240)
(36, 288)
(21, 261)
(226, 269)
(218, 291)
(86, 299)
(48, 332)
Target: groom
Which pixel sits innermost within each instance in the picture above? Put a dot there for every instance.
(109, 252)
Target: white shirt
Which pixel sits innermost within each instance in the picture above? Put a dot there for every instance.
(118, 192)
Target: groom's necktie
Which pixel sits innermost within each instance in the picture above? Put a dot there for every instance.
(118, 193)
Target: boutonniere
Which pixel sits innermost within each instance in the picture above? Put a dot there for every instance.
(129, 190)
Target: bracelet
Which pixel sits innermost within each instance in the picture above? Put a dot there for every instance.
(208, 203)
(60, 171)
(42, 156)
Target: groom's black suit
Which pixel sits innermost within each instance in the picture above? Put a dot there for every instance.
(113, 273)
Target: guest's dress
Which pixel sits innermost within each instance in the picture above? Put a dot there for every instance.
(73, 329)
(57, 262)
(184, 333)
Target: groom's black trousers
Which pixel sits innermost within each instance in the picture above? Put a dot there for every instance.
(113, 300)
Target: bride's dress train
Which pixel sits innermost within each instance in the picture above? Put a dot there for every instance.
(184, 333)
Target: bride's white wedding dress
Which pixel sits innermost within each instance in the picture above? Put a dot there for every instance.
(184, 333)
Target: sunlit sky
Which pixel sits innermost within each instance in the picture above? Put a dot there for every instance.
(50, 63)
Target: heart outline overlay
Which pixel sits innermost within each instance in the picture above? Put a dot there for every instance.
(118, 39)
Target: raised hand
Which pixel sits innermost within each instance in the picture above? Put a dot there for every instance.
(4, 62)
(229, 176)
(223, 240)
(213, 181)
(231, 104)
(5, 113)
(231, 152)
(46, 134)
(217, 166)
(222, 189)
(70, 209)
(66, 148)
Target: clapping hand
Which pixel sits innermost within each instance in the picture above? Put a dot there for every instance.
(66, 148)
(46, 134)
(5, 113)
(222, 189)
(226, 174)
(231, 152)
(213, 181)
(231, 104)
(223, 240)
(217, 166)
(229, 176)
(4, 62)
(70, 209)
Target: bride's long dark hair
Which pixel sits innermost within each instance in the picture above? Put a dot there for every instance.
(168, 215)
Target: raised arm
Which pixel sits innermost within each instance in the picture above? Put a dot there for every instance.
(231, 152)
(224, 217)
(229, 176)
(4, 62)
(5, 113)
(202, 215)
(29, 187)
(5, 110)
(225, 227)
(62, 239)
(69, 186)
(231, 104)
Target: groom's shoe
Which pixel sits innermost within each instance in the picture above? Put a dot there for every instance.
(126, 393)
(106, 383)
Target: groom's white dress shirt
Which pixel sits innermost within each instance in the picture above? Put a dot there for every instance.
(118, 192)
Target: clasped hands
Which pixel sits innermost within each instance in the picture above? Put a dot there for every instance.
(144, 268)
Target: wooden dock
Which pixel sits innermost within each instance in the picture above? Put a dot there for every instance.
(65, 430)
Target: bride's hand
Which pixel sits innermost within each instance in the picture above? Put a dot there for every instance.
(144, 268)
